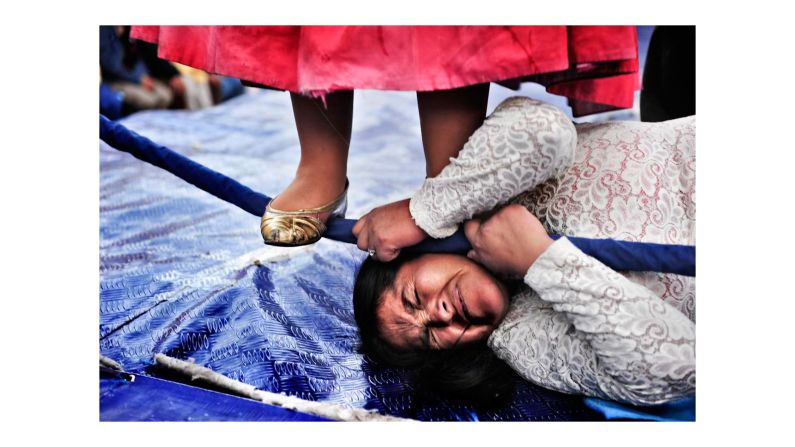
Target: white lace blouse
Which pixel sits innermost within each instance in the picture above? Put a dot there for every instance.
(580, 327)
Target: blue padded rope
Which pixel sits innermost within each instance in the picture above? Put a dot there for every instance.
(215, 183)
(618, 255)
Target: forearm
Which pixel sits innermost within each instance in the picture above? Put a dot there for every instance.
(644, 347)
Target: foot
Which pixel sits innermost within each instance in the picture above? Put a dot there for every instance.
(302, 223)
(307, 193)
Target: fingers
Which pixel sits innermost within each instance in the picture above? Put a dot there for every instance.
(357, 227)
(383, 234)
(361, 231)
(362, 244)
(366, 241)
(385, 250)
(471, 228)
(363, 241)
(386, 254)
(382, 253)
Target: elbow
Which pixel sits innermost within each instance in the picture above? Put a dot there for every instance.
(542, 134)
(652, 392)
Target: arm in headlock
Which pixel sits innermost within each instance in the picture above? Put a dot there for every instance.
(594, 332)
(520, 145)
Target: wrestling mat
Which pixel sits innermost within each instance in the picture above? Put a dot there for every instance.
(185, 274)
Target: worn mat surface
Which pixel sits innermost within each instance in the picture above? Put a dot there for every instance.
(187, 275)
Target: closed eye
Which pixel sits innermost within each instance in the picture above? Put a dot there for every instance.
(430, 337)
(412, 308)
(427, 335)
(408, 306)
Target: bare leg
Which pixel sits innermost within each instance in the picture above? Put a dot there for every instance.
(324, 134)
(447, 119)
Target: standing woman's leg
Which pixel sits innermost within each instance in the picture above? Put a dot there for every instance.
(318, 188)
(324, 135)
(447, 119)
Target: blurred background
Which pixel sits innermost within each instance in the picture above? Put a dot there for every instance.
(133, 78)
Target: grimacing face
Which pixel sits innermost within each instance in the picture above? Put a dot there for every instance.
(439, 301)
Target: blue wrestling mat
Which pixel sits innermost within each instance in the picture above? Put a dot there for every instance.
(187, 275)
(123, 399)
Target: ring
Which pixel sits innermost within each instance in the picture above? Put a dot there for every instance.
(371, 252)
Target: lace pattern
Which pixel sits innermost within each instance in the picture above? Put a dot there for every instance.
(629, 181)
(520, 145)
(581, 327)
(585, 329)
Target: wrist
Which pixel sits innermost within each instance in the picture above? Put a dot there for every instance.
(417, 233)
(424, 217)
(539, 275)
(537, 248)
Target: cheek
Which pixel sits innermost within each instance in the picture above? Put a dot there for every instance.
(457, 336)
(491, 296)
(478, 334)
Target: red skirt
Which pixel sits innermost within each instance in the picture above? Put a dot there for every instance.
(596, 67)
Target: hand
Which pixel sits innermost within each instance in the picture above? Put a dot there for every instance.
(387, 229)
(147, 83)
(509, 242)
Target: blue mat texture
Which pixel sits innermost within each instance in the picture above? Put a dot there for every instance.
(125, 400)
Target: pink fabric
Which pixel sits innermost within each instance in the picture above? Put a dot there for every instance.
(595, 66)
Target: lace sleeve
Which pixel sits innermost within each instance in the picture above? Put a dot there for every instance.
(591, 331)
(523, 143)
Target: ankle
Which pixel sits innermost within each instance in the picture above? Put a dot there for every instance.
(308, 192)
(332, 180)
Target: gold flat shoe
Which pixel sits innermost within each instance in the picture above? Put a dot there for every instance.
(301, 227)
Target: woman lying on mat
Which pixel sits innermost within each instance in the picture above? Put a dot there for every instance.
(519, 302)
